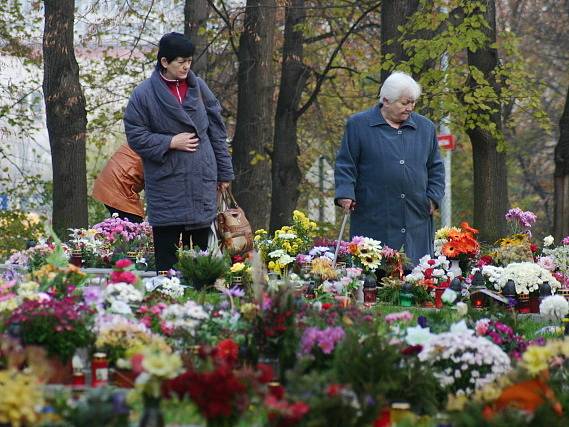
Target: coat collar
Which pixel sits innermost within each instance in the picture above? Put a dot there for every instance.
(169, 104)
(375, 118)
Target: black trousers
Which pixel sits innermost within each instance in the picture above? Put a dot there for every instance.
(122, 214)
(167, 240)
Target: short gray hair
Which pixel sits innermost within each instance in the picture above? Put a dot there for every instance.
(397, 84)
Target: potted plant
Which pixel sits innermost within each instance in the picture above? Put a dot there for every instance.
(201, 269)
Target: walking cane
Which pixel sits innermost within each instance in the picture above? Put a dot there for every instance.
(343, 226)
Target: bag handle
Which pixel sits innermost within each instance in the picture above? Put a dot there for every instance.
(225, 200)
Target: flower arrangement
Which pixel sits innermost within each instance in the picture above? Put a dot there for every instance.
(34, 257)
(323, 340)
(119, 297)
(154, 365)
(431, 272)
(538, 358)
(367, 253)
(559, 257)
(18, 228)
(13, 294)
(457, 243)
(21, 398)
(182, 320)
(167, 287)
(513, 248)
(520, 221)
(60, 326)
(279, 250)
(116, 335)
(240, 271)
(503, 336)
(491, 275)
(200, 269)
(463, 362)
(527, 276)
(220, 390)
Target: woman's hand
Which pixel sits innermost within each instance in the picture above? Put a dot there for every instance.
(222, 186)
(186, 141)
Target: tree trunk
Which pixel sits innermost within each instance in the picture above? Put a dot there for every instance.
(490, 177)
(253, 129)
(286, 175)
(66, 118)
(394, 13)
(196, 14)
(561, 177)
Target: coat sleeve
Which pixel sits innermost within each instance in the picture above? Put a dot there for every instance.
(436, 173)
(148, 145)
(217, 133)
(346, 170)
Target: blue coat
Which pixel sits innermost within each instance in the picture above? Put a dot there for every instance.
(180, 187)
(391, 174)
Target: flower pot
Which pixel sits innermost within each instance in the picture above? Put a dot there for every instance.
(455, 268)
(534, 302)
(60, 372)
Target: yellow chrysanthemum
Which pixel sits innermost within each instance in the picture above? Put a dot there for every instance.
(536, 359)
(237, 267)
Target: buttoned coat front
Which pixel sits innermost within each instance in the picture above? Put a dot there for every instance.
(180, 186)
(391, 174)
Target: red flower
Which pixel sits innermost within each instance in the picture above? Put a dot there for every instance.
(123, 263)
(428, 272)
(228, 350)
(237, 258)
(265, 373)
(533, 247)
(383, 419)
(412, 350)
(333, 389)
(431, 262)
(327, 305)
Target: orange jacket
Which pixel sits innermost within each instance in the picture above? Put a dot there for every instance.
(120, 181)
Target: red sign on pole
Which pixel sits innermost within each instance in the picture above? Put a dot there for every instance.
(446, 141)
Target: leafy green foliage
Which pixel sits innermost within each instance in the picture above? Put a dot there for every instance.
(201, 270)
(18, 228)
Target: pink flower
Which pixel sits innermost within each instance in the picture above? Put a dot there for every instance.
(481, 327)
(401, 316)
(123, 263)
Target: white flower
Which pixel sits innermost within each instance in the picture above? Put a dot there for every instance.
(462, 309)
(527, 276)
(460, 327)
(548, 241)
(418, 336)
(555, 307)
(449, 296)
(120, 307)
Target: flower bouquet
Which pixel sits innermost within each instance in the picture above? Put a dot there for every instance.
(463, 362)
(221, 390)
(458, 244)
(279, 251)
(517, 246)
(366, 253)
(556, 260)
(503, 336)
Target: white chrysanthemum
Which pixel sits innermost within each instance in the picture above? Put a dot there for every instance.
(167, 286)
(548, 241)
(527, 276)
(449, 352)
(555, 307)
(124, 292)
(184, 318)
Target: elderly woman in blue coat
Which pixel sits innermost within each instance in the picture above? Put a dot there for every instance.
(389, 171)
(173, 121)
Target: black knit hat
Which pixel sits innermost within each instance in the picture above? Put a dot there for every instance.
(173, 45)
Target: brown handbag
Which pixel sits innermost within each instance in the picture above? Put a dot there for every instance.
(233, 228)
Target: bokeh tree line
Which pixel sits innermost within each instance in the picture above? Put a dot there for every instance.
(289, 72)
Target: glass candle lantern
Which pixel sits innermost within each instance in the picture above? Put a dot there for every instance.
(477, 298)
(400, 412)
(310, 292)
(76, 258)
(99, 370)
(406, 296)
(370, 290)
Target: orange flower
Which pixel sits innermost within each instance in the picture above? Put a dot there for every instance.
(450, 250)
(466, 227)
